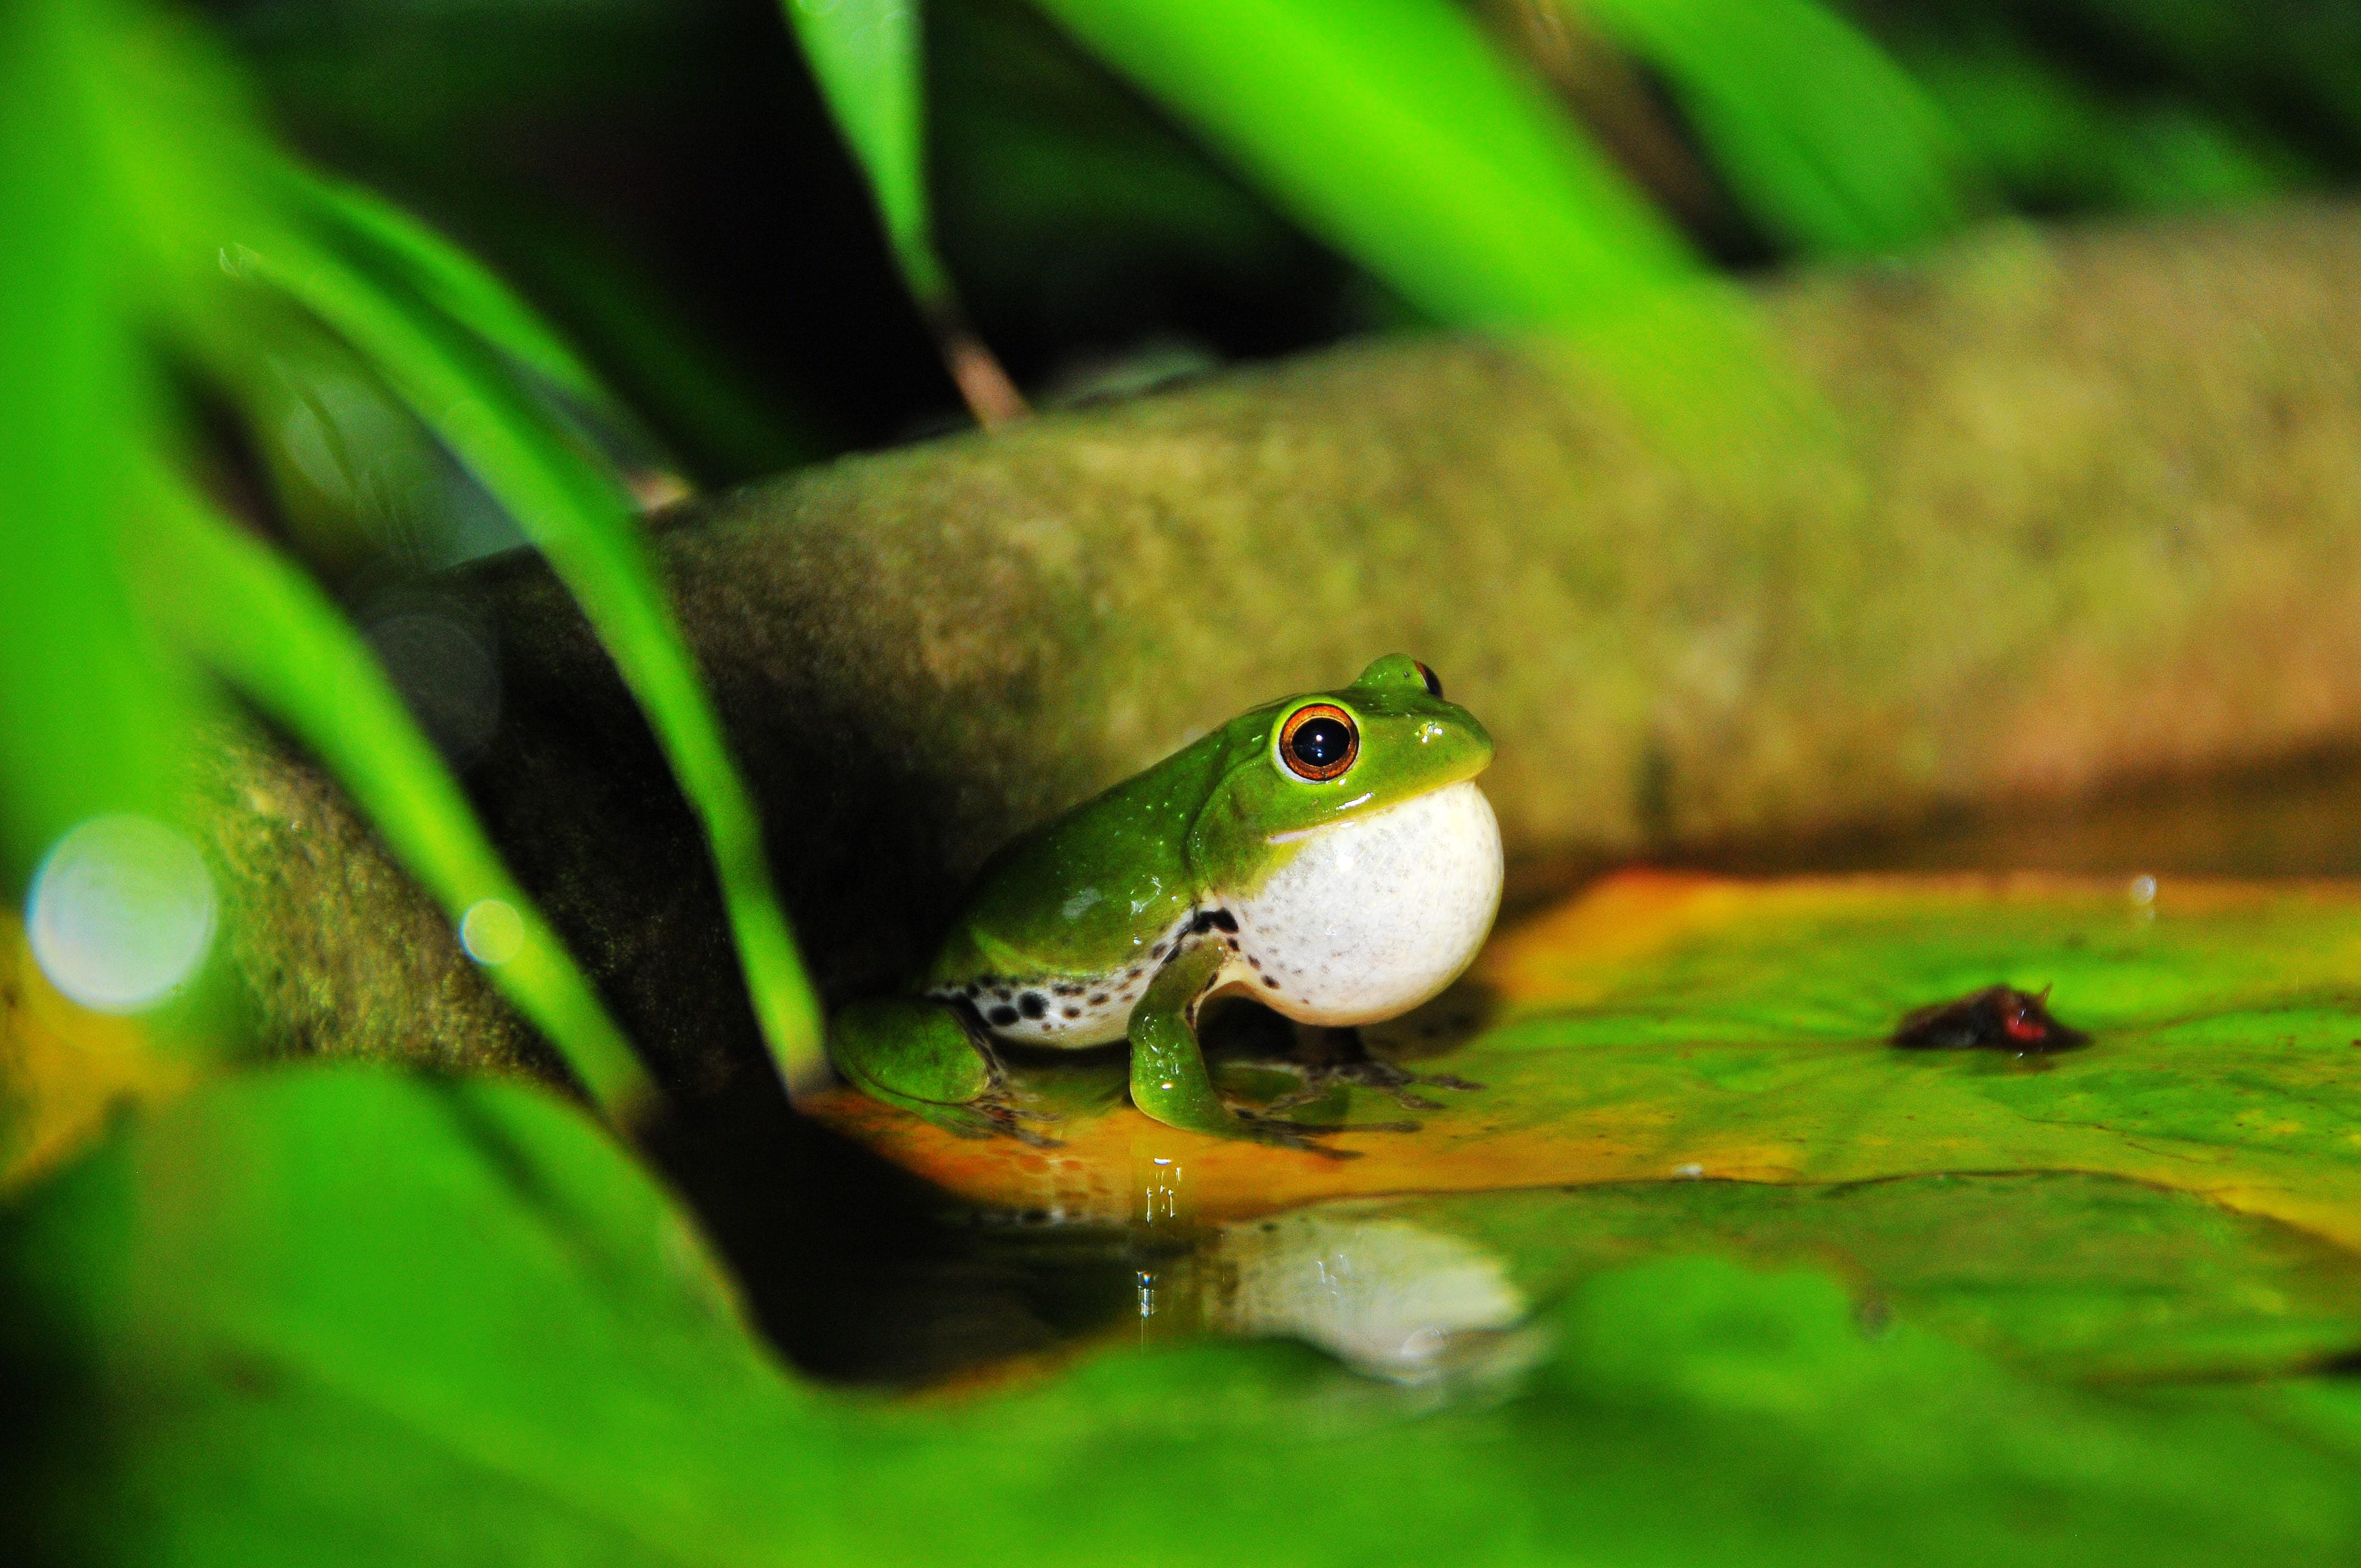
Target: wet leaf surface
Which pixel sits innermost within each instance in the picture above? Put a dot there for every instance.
(1661, 1026)
(1707, 1270)
(341, 1315)
(2064, 1275)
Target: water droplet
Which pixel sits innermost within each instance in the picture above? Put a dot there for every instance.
(492, 931)
(2143, 890)
(122, 912)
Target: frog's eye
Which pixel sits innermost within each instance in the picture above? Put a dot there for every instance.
(1319, 741)
(1434, 682)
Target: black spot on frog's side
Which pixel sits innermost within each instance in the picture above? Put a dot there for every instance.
(1997, 1018)
(1033, 1005)
(1002, 1018)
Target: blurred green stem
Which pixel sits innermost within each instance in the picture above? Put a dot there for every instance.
(865, 56)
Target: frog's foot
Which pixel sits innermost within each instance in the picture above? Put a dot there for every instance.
(1398, 1084)
(1257, 1124)
(992, 1115)
(1169, 1078)
(923, 1057)
(1337, 1058)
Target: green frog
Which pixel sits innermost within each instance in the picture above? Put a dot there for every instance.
(1328, 855)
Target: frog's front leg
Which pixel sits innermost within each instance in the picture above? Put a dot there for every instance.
(923, 1057)
(1169, 1078)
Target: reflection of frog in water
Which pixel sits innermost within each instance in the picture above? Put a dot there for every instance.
(1329, 855)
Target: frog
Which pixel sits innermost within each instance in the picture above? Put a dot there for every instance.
(1329, 855)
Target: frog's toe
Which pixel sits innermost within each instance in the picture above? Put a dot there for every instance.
(1399, 1084)
(1262, 1127)
(1004, 1118)
(992, 1115)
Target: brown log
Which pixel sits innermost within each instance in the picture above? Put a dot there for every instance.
(2087, 511)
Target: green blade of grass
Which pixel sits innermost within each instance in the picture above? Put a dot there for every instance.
(865, 55)
(391, 244)
(453, 281)
(90, 719)
(1394, 130)
(190, 171)
(265, 630)
(1821, 135)
(578, 515)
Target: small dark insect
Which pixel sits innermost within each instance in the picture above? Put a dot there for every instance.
(1997, 1018)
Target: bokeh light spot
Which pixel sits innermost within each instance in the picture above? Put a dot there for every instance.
(492, 931)
(121, 914)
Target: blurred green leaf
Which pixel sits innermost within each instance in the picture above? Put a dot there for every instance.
(581, 520)
(389, 244)
(262, 627)
(1395, 131)
(343, 1315)
(2070, 1275)
(864, 54)
(2055, 140)
(1076, 207)
(91, 720)
(132, 148)
(336, 1313)
(1821, 135)
(2286, 71)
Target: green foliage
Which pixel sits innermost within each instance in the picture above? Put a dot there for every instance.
(268, 631)
(349, 1316)
(287, 1308)
(2069, 1276)
(130, 146)
(90, 721)
(864, 54)
(340, 1314)
(1396, 132)
(382, 241)
(1820, 133)
(2057, 143)
(1398, 135)
(582, 520)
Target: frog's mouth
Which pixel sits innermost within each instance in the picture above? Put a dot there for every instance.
(1346, 816)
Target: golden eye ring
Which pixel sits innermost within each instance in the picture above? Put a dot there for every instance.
(1319, 741)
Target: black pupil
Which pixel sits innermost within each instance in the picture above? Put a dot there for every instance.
(1322, 742)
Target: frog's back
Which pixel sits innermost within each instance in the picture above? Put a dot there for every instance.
(1066, 925)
